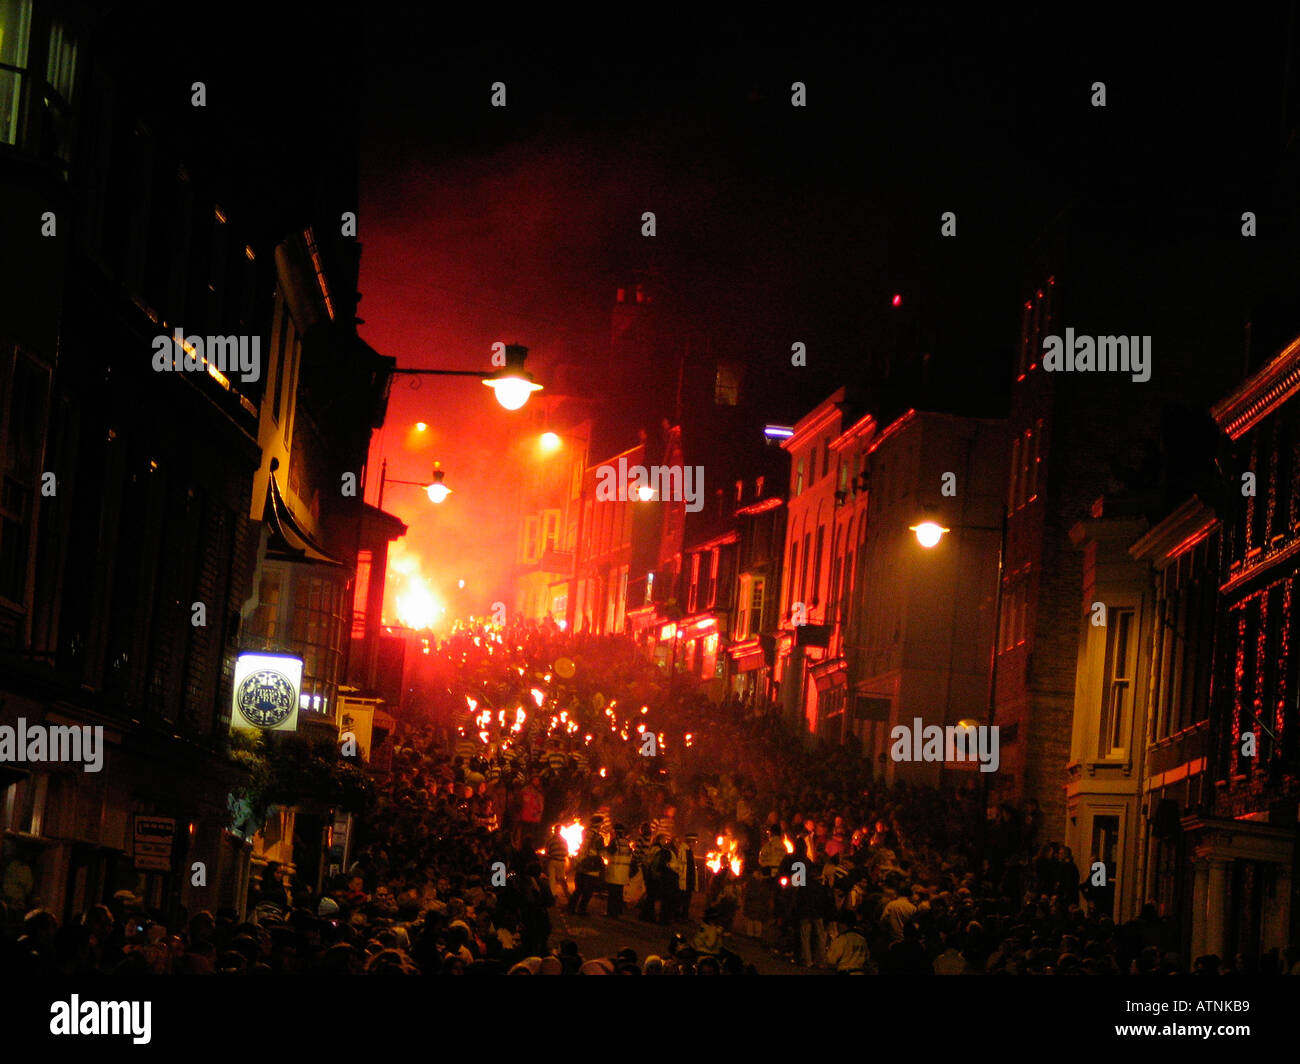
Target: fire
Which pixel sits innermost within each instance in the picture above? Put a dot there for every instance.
(728, 851)
(413, 600)
(538, 696)
(572, 835)
(789, 846)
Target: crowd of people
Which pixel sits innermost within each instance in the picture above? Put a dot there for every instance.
(557, 778)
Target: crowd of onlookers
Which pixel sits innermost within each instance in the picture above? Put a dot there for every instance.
(731, 832)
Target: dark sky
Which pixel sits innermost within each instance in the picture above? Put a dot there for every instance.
(774, 223)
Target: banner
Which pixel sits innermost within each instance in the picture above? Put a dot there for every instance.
(267, 687)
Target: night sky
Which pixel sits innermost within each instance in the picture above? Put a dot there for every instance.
(775, 223)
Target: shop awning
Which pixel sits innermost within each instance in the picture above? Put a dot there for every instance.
(288, 539)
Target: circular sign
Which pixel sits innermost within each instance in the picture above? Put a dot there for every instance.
(565, 667)
(265, 698)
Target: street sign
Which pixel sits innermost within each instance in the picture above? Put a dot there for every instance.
(155, 837)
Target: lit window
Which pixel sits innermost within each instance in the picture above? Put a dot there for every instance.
(15, 29)
(1118, 689)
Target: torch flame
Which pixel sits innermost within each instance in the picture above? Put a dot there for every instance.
(572, 835)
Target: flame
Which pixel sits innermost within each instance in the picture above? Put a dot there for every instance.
(789, 846)
(728, 851)
(415, 604)
(572, 835)
(538, 696)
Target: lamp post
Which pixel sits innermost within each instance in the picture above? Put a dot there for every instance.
(436, 489)
(928, 534)
(511, 384)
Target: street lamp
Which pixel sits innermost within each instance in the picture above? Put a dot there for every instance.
(928, 534)
(436, 490)
(511, 384)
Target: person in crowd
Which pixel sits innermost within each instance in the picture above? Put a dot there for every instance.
(891, 873)
(618, 870)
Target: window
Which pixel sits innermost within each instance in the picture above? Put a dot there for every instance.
(794, 573)
(529, 551)
(798, 478)
(817, 564)
(754, 621)
(803, 573)
(56, 95)
(1105, 844)
(1118, 682)
(317, 624)
(15, 29)
(359, 594)
(726, 385)
(693, 592)
(550, 529)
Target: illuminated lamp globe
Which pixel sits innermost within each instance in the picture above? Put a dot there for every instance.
(928, 533)
(645, 493)
(550, 441)
(438, 491)
(512, 388)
